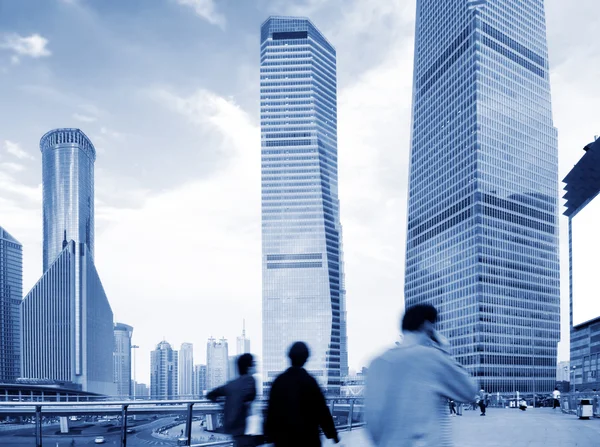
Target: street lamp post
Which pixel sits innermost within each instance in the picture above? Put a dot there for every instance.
(134, 347)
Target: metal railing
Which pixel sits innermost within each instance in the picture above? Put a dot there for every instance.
(569, 402)
(347, 413)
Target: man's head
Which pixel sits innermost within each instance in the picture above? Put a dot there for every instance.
(556, 389)
(419, 318)
(245, 363)
(299, 353)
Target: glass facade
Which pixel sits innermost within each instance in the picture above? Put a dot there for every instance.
(482, 243)
(303, 279)
(68, 190)
(122, 360)
(66, 317)
(217, 363)
(163, 372)
(11, 293)
(186, 369)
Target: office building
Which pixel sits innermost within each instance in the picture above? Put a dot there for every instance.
(67, 321)
(217, 363)
(199, 381)
(303, 278)
(11, 294)
(482, 242)
(582, 185)
(122, 360)
(186, 368)
(242, 343)
(163, 372)
(141, 391)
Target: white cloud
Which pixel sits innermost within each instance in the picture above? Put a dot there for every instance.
(207, 10)
(32, 46)
(15, 149)
(84, 118)
(205, 236)
(10, 166)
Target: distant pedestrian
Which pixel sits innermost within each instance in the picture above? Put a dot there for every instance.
(238, 394)
(556, 399)
(452, 405)
(482, 402)
(297, 406)
(408, 387)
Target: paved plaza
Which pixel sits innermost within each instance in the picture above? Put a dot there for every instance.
(541, 427)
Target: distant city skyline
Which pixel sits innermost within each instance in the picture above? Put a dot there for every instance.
(165, 96)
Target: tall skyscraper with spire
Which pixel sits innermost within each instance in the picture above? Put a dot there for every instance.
(67, 321)
(482, 243)
(242, 343)
(303, 276)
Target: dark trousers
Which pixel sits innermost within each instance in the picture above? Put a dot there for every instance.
(482, 406)
(244, 441)
(556, 404)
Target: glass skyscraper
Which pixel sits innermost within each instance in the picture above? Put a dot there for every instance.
(163, 372)
(67, 322)
(303, 279)
(122, 360)
(482, 243)
(11, 294)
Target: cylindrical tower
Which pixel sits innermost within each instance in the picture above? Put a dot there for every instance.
(68, 158)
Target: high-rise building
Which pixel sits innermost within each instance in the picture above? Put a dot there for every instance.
(199, 381)
(11, 294)
(163, 372)
(186, 368)
(67, 321)
(141, 390)
(217, 363)
(122, 360)
(242, 343)
(303, 279)
(482, 243)
(232, 370)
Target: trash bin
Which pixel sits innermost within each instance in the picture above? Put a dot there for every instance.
(585, 409)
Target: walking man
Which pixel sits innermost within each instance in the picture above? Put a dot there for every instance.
(556, 397)
(482, 402)
(408, 387)
(238, 394)
(297, 406)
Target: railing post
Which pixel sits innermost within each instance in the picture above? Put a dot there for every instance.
(124, 426)
(188, 427)
(38, 426)
(350, 415)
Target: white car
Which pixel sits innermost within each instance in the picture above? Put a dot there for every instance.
(99, 440)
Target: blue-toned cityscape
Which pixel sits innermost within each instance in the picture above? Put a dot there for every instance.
(136, 269)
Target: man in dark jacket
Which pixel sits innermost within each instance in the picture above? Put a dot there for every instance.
(297, 407)
(238, 394)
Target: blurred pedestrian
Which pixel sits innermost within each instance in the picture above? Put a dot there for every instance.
(452, 405)
(239, 394)
(408, 387)
(482, 402)
(297, 406)
(556, 399)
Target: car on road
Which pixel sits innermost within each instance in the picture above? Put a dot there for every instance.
(99, 440)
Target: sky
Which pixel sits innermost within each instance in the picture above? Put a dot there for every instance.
(168, 91)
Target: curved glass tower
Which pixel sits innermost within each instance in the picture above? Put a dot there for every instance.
(68, 158)
(303, 282)
(66, 317)
(482, 241)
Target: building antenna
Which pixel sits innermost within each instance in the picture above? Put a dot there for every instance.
(244, 328)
